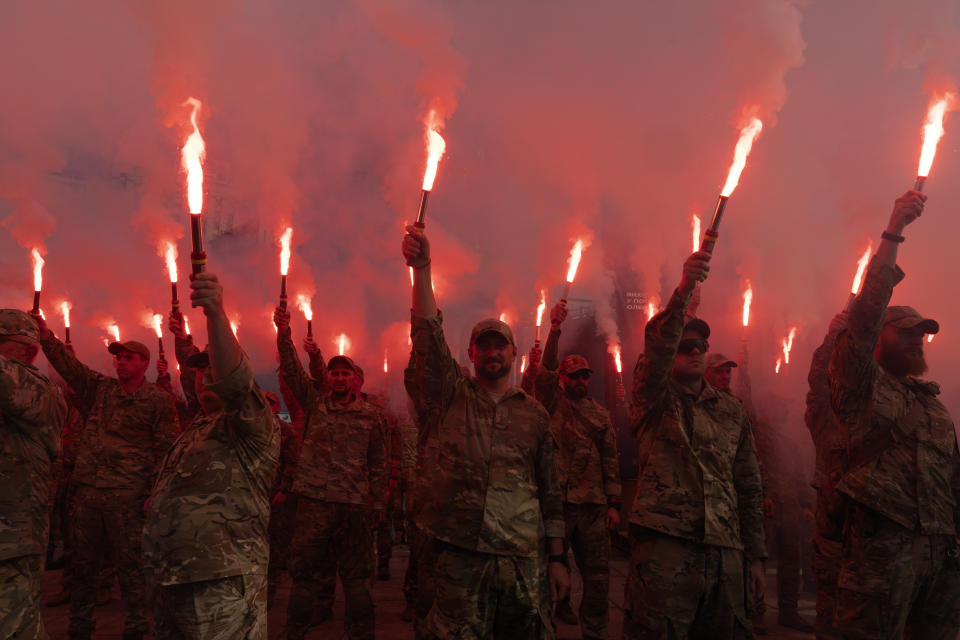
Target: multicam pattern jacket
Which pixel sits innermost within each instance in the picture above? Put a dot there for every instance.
(208, 512)
(126, 434)
(903, 459)
(32, 411)
(489, 476)
(699, 478)
(588, 465)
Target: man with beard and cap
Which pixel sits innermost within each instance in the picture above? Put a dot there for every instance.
(32, 411)
(206, 546)
(340, 483)
(489, 496)
(588, 467)
(130, 426)
(830, 462)
(697, 517)
(900, 573)
(719, 372)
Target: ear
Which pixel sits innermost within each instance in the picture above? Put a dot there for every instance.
(472, 353)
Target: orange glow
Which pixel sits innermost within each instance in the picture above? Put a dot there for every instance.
(787, 344)
(747, 300)
(386, 367)
(285, 251)
(343, 343)
(186, 324)
(191, 158)
(65, 310)
(652, 305)
(615, 350)
(170, 256)
(541, 307)
(575, 255)
(861, 268)
(38, 263)
(932, 132)
(505, 317)
(158, 324)
(695, 224)
(523, 363)
(234, 326)
(411, 276)
(303, 303)
(114, 330)
(930, 337)
(779, 363)
(748, 134)
(436, 146)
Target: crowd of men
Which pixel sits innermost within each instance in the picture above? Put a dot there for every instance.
(200, 502)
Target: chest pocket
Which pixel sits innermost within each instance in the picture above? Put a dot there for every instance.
(716, 435)
(353, 435)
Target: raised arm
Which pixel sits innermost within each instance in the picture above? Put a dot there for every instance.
(291, 370)
(547, 386)
(318, 366)
(81, 378)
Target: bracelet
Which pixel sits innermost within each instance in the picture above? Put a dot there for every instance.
(556, 558)
(892, 237)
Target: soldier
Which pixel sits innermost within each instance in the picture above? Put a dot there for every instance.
(589, 471)
(281, 520)
(899, 574)
(719, 372)
(32, 411)
(205, 539)
(130, 427)
(489, 493)
(698, 512)
(340, 482)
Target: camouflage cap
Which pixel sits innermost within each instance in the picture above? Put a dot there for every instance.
(907, 317)
(574, 363)
(492, 325)
(698, 325)
(342, 361)
(14, 322)
(132, 346)
(719, 360)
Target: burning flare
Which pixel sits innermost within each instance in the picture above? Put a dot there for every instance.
(436, 146)
(652, 305)
(303, 303)
(65, 310)
(285, 251)
(191, 157)
(38, 263)
(747, 300)
(776, 369)
(575, 255)
(748, 134)
(930, 337)
(170, 256)
(114, 331)
(343, 344)
(386, 367)
(234, 326)
(932, 132)
(158, 324)
(861, 268)
(186, 324)
(615, 350)
(695, 224)
(787, 344)
(523, 363)
(541, 308)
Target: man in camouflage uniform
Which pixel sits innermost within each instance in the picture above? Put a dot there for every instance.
(589, 471)
(31, 419)
(340, 484)
(205, 540)
(489, 493)
(830, 462)
(281, 518)
(393, 514)
(698, 513)
(130, 427)
(900, 574)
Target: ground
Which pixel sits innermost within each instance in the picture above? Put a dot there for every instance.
(389, 600)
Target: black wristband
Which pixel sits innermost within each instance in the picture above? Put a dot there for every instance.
(891, 237)
(557, 558)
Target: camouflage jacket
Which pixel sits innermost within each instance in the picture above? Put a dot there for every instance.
(588, 465)
(698, 473)
(291, 434)
(208, 512)
(32, 411)
(126, 434)
(489, 479)
(903, 460)
(820, 420)
(343, 457)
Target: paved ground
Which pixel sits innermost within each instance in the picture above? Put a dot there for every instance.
(389, 600)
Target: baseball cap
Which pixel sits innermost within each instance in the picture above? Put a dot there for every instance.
(491, 325)
(130, 345)
(698, 325)
(903, 317)
(574, 363)
(14, 322)
(719, 360)
(341, 361)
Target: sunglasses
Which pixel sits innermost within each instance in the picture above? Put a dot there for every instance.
(687, 346)
(579, 375)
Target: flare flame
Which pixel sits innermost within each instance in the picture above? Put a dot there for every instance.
(436, 146)
(932, 132)
(303, 303)
(748, 134)
(575, 255)
(747, 300)
(38, 263)
(191, 157)
(861, 269)
(285, 251)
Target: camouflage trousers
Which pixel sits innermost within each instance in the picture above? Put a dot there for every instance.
(325, 532)
(280, 531)
(419, 584)
(827, 548)
(786, 533)
(20, 598)
(232, 608)
(481, 595)
(587, 535)
(385, 530)
(895, 582)
(106, 522)
(680, 589)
